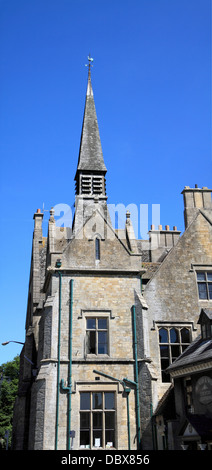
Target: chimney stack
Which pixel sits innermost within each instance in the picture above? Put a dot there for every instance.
(195, 199)
(38, 218)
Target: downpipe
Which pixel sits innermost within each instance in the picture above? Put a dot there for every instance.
(136, 380)
(58, 360)
(68, 389)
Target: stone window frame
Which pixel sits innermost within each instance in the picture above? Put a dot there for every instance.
(202, 268)
(96, 313)
(169, 326)
(92, 411)
(97, 329)
(206, 282)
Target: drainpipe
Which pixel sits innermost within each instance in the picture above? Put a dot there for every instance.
(141, 283)
(136, 380)
(58, 265)
(70, 362)
(69, 387)
(127, 391)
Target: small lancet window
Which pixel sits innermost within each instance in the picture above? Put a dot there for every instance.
(97, 248)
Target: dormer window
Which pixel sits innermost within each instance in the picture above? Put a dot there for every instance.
(205, 320)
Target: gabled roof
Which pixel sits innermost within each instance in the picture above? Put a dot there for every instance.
(200, 212)
(205, 312)
(90, 153)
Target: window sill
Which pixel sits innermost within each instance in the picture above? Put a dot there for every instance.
(106, 359)
(96, 448)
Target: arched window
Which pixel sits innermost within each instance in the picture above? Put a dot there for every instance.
(172, 342)
(97, 248)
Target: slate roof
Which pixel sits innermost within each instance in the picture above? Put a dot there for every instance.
(199, 351)
(90, 153)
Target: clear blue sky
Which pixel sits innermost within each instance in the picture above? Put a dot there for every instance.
(152, 89)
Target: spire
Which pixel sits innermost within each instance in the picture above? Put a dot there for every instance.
(91, 169)
(90, 153)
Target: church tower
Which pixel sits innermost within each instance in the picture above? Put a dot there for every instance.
(84, 389)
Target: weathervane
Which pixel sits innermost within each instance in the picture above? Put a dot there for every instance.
(89, 65)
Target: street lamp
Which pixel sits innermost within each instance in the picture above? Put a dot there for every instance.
(34, 372)
(7, 342)
(127, 390)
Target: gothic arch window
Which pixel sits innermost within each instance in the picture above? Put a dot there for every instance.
(173, 340)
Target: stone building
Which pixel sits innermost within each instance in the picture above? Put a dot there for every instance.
(174, 296)
(107, 314)
(191, 428)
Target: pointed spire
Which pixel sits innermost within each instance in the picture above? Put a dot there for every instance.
(90, 154)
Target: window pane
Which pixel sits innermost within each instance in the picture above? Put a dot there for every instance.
(201, 276)
(91, 323)
(185, 337)
(164, 365)
(97, 401)
(110, 437)
(175, 351)
(97, 420)
(102, 323)
(163, 335)
(102, 342)
(166, 377)
(91, 342)
(210, 290)
(97, 438)
(84, 438)
(174, 335)
(109, 400)
(202, 290)
(109, 420)
(97, 248)
(85, 420)
(85, 401)
(209, 276)
(164, 351)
